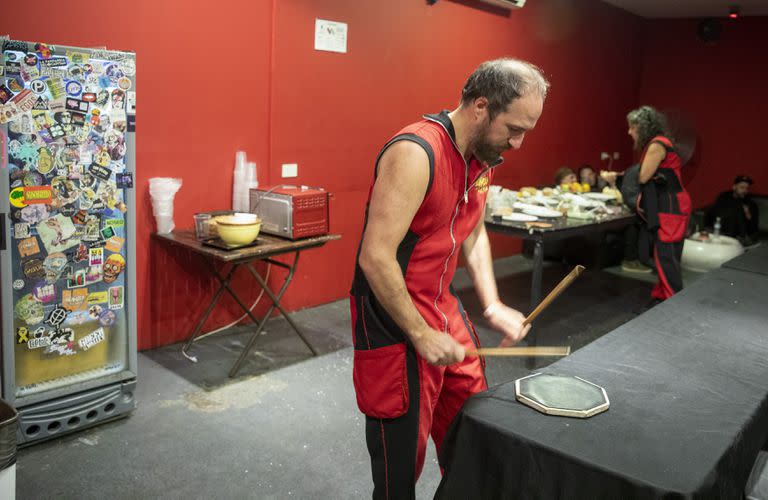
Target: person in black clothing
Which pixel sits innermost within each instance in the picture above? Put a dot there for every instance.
(737, 211)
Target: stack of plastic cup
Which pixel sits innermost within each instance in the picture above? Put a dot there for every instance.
(162, 191)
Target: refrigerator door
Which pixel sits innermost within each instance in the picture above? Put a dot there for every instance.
(67, 269)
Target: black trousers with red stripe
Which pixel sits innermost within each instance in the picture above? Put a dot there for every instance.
(405, 399)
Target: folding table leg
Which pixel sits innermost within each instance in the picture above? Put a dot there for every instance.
(275, 304)
(222, 284)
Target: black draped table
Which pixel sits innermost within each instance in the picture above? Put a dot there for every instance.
(688, 387)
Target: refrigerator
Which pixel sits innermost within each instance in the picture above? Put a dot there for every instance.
(67, 228)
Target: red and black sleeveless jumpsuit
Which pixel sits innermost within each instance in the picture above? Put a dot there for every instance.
(666, 209)
(404, 398)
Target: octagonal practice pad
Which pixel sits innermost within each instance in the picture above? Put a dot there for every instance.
(566, 396)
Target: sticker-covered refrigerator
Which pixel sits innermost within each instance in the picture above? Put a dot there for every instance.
(67, 250)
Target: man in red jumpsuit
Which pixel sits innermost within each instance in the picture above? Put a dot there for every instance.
(426, 202)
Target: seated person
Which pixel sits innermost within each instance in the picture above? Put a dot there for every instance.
(737, 211)
(564, 175)
(587, 175)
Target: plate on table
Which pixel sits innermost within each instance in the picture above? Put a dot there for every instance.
(542, 212)
(518, 217)
(599, 196)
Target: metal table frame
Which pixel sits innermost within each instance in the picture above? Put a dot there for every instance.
(245, 257)
(562, 228)
(539, 236)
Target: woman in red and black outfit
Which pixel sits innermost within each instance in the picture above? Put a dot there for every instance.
(664, 203)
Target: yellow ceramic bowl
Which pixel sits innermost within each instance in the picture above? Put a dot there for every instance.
(237, 231)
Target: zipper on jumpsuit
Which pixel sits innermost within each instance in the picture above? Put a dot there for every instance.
(467, 187)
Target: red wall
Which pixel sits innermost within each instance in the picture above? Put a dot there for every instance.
(245, 77)
(721, 87)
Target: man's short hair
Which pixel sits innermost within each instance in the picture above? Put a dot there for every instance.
(501, 81)
(743, 178)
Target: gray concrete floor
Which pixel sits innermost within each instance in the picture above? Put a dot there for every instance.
(288, 425)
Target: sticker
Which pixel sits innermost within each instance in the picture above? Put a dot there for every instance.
(107, 233)
(96, 257)
(28, 247)
(88, 97)
(61, 350)
(30, 60)
(124, 83)
(56, 87)
(80, 217)
(91, 232)
(23, 125)
(86, 198)
(100, 171)
(12, 68)
(57, 316)
(118, 99)
(54, 266)
(124, 180)
(74, 88)
(29, 310)
(73, 104)
(81, 254)
(113, 267)
(44, 161)
(15, 45)
(75, 300)
(38, 194)
(77, 279)
(22, 335)
(44, 292)
(18, 284)
(40, 342)
(8, 113)
(64, 189)
(95, 310)
(56, 233)
(21, 230)
(57, 104)
(128, 66)
(91, 339)
(119, 119)
(99, 298)
(93, 275)
(24, 100)
(43, 50)
(34, 213)
(78, 57)
(33, 268)
(53, 62)
(114, 244)
(131, 102)
(107, 317)
(38, 86)
(116, 297)
(31, 179)
(63, 336)
(16, 197)
(78, 119)
(114, 222)
(5, 94)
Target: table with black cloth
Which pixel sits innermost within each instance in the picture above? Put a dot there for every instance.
(688, 389)
(755, 261)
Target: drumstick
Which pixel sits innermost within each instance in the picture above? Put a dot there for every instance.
(520, 351)
(554, 293)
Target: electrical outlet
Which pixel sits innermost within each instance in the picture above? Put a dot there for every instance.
(615, 155)
(605, 156)
(290, 169)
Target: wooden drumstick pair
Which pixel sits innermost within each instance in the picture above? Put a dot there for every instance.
(534, 350)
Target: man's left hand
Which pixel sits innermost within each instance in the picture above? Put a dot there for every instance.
(509, 322)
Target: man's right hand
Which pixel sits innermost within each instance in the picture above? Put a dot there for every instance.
(438, 348)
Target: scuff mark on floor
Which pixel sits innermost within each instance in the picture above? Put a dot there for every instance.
(239, 395)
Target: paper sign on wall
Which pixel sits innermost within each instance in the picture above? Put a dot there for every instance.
(330, 36)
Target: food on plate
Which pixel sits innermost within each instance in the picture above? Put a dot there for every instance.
(614, 192)
(502, 211)
(547, 191)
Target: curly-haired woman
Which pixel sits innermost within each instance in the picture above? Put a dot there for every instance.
(664, 203)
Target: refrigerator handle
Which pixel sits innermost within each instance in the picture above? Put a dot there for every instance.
(2, 231)
(3, 150)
